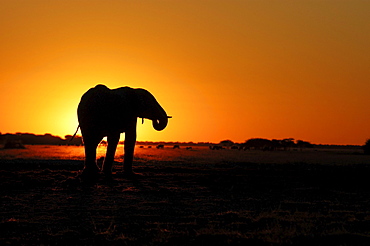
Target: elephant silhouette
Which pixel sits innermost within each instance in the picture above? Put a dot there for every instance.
(216, 147)
(104, 112)
(160, 146)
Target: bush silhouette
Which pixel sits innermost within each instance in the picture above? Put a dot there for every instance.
(367, 147)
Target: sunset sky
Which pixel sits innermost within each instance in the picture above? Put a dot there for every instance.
(224, 69)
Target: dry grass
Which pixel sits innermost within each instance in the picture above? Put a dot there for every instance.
(197, 197)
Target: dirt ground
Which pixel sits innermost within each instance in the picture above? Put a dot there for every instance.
(42, 203)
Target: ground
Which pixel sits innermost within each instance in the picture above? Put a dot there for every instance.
(174, 203)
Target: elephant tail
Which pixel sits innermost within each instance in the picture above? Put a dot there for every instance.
(74, 134)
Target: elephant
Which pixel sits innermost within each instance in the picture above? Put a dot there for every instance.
(216, 147)
(160, 146)
(104, 112)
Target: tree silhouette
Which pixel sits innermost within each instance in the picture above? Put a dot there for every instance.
(257, 143)
(226, 143)
(287, 143)
(366, 147)
(303, 144)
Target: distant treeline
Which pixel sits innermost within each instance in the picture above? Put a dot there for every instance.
(266, 144)
(46, 139)
(253, 143)
(277, 144)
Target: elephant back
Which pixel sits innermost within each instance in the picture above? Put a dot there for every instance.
(101, 107)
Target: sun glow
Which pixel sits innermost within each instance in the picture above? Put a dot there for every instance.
(223, 71)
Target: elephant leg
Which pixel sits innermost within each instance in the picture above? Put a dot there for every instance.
(130, 140)
(91, 143)
(109, 157)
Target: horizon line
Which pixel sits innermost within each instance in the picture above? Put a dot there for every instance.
(176, 141)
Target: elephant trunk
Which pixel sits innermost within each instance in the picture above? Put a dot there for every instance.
(149, 108)
(160, 123)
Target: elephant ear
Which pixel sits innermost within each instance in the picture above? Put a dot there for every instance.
(141, 102)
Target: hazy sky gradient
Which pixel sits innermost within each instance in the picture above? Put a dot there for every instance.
(223, 69)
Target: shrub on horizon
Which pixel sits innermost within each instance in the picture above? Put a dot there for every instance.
(367, 147)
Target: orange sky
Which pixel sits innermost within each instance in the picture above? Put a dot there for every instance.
(224, 69)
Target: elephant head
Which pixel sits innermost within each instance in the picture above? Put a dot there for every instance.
(150, 109)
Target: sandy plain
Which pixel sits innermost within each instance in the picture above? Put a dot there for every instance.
(187, 197)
